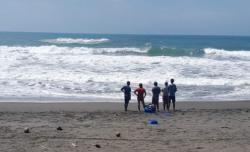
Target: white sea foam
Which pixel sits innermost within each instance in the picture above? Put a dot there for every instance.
(227, 54)
(76, 41)
(55, 71)
(52, 49)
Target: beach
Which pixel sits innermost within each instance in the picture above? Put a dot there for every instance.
(72, 74)
(195, 126)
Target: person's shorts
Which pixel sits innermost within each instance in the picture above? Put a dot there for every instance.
(126, 99)
(140, 98)
(165, 99)
(172, 98)
(155, 100)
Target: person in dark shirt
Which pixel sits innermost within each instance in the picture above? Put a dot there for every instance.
(172, 90)
(155, 98)
(127, 95)
(165, 97)
(141, 94)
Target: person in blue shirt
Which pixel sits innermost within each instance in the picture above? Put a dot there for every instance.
(127, 95)
(172, 90)
(156, 92)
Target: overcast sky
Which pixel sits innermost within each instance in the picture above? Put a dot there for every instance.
(196, 17)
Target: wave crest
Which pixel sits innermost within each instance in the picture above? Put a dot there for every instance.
(242, 55)
(76, 41)
(53, 49)
(146, 51)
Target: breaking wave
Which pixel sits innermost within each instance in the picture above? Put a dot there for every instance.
(52, 49)
(245, 55)
(76, 41)
(146, 51)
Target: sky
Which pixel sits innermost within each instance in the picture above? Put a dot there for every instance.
(188, 17)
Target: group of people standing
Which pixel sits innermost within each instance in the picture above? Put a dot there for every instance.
(168, 95)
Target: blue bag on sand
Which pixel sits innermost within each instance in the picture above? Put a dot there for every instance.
(150, 108)
(153, 122)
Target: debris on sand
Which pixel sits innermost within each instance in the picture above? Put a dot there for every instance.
(199, 147)
(118, 134)
(73, 145)
(97, 146)
(26, 130)
(59, 128)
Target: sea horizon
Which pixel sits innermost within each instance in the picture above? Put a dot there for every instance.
(136, 34)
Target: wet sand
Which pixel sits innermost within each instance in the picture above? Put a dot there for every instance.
(195, 126)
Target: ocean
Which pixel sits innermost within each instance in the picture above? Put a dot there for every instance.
(94, 67)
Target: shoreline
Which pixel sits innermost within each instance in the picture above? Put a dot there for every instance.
(78, 106)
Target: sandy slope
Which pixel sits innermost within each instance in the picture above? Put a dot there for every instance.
(222, 126)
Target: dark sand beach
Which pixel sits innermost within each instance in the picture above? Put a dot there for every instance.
(196, 126)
